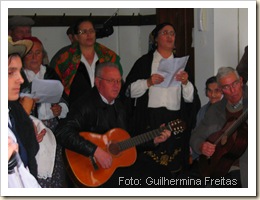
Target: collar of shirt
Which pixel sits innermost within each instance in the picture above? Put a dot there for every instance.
(238, 104)
(90, 68)
(157, 56)
(106, 101)
(31, 75)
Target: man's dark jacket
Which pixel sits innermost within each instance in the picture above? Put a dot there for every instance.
(88, 114)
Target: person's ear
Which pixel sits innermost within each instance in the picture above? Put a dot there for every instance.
(241, 81)
(97, 80)
(206, 93)
(76, 37)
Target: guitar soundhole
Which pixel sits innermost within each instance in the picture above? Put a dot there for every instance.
(114, 148)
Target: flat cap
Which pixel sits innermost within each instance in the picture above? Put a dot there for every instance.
(19, 21)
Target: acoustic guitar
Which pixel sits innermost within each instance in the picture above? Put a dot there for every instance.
(231, 142)
(88, 173)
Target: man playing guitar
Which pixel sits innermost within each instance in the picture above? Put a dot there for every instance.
(221, 138)
(100, 112)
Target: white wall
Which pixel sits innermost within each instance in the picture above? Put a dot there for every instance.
(220, 44)
(243, 30)
(225, 38)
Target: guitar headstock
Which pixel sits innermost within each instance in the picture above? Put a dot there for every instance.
(177, 126)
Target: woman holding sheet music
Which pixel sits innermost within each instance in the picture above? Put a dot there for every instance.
(33, 69)
(49, 114)
(153, 104)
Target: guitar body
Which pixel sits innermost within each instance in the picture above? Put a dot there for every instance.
(82, 167)
(87, 173)
(219, 163)
(227, 151)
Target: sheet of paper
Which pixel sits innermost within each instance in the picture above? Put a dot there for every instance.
(168, 68)
(47, 91)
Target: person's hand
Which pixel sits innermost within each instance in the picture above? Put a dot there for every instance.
(165, 134)
(103, 158)
(56, 109)
(12, 147)
(40, 135)
(208, 149)
(182, 76)
(154, 79)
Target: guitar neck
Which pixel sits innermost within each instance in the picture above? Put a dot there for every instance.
(140, 139)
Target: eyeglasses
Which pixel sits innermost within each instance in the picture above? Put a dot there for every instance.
(171, 33)
(233, 85)
(111, 81)
(90, 31)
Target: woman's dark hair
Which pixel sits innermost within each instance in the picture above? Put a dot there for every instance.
(156, 30)
(160, 27)
(76, 25)
(210, 80)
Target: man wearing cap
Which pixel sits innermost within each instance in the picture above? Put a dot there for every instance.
(21, 159)
(20, 27)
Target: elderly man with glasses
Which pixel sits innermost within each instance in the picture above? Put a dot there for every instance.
(221, 138)
(104, 117)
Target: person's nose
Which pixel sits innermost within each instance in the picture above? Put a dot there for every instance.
(20, 79)
(33, 55)
(232, 89)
